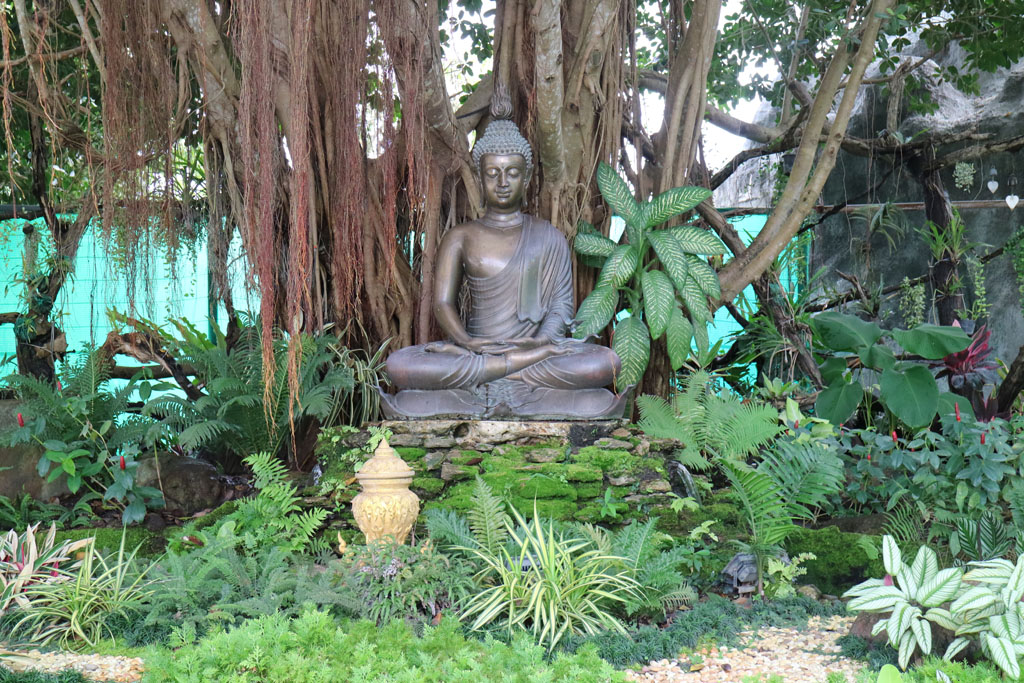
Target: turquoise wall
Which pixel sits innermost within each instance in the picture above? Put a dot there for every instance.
(164, 288)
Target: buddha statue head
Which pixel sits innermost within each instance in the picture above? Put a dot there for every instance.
(503, 157)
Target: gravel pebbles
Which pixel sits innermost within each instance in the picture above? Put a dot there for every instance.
(797, 656)
(94, 667)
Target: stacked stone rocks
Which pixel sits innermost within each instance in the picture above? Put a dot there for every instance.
(585, 471)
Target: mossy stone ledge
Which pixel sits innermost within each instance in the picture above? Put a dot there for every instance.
(605, 472)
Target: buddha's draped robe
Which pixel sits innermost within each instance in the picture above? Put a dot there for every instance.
(531, 296)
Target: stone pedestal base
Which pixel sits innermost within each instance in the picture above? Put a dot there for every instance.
(505, 399)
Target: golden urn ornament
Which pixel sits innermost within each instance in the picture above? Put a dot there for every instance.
(386, 506)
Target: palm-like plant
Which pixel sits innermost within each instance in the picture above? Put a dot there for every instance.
(708, 424)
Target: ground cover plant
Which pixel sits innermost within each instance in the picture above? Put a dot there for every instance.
(314, 647)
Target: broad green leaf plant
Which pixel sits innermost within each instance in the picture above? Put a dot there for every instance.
(983, 605)
(660, 272)
(906, 389)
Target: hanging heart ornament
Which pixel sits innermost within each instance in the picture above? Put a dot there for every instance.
(1011, 201)
(993, 185)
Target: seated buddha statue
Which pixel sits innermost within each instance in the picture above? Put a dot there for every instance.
(507, 355)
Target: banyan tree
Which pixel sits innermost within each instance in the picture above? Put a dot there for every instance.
(323, 132)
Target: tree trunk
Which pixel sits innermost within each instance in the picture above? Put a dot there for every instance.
(945, 276)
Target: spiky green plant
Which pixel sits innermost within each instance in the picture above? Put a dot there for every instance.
(78, 611)
(652, 561)
(550, 583)
(485, 525)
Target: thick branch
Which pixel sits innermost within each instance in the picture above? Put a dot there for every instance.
(809, 174)
(1013, 385)
(550, 93)
(148, 348)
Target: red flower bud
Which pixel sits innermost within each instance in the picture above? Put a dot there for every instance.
(957, 407)
(122, 462)
(887, 581)
(796, 425)
(983, 438)
(60, 387)
(894, 435)
(21, 420)
(869, 457)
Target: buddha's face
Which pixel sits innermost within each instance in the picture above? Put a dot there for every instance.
(504, 179)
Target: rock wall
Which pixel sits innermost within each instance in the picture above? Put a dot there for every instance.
(844, 242)
(587, 472)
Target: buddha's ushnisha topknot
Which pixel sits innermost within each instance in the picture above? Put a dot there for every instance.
(502, 136)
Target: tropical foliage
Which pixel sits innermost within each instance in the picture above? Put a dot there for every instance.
(666, 292)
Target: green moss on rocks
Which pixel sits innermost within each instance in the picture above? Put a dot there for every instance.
(428, 485)
(109, 539)
(462, 457)
(607, 460)
(590, 514)
(409, 453)
(841, 560)
(591, 490)
(553, 509)
(214, 516)
(573, 472)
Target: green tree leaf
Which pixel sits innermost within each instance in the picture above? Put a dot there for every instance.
(618, 195)
(877, 356)
(596, 312)
(659, 297)
(619, 267)
(672, 257)
(932, 341)
(677, 338)
(673, 202)
(704, 275)
(592, 244)
(700, 336)
(696, 240)
(832, 369)
(842, 332)
(632, 342)
(837, 402)
(911, 395)
(696, 302)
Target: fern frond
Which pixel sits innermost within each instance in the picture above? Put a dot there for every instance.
(488, 519)
(904, 524)
(806, 473)
(448, 528)
(658, 419)
(768, 516)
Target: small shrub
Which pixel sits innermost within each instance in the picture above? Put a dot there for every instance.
(314, 648)
(552, 583)
(218, 584)
(391, 581)
(24, 563)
